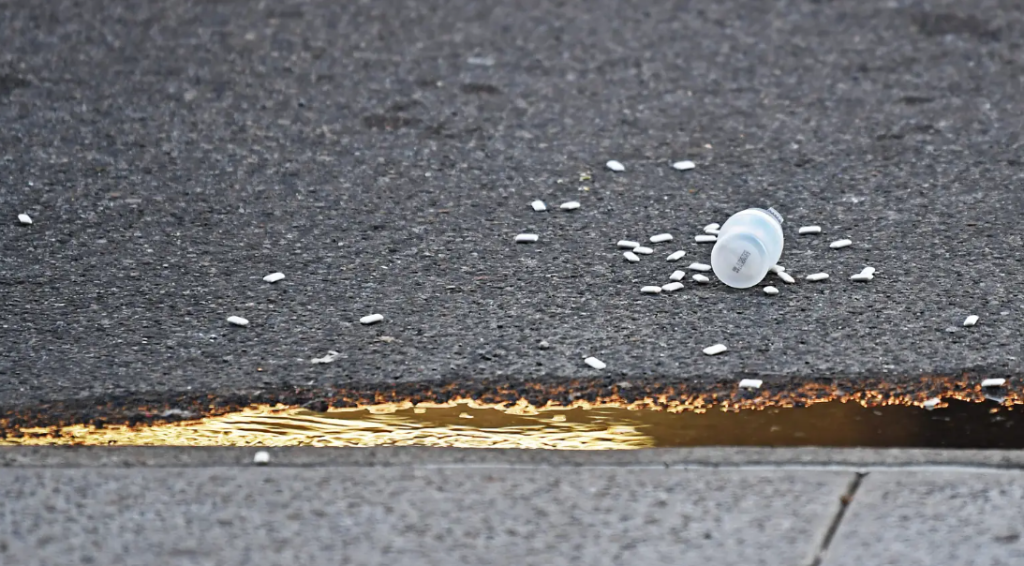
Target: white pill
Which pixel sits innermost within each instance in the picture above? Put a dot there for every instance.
(274, 277)
(700, 278)
(631, 257)
(595, 363)
(711, 232)
(571, 205)
(771, 290)
(677, 275)
(700, 267)
(862, 277)
(683, 165)
(628, 244)
(705, 239)
(238, 321)
(371, 319)
(643, 250)
(971, 320)
(526, 238)
(24, 218)
(840, 244)
(809, 230)
(931, 403)
(993, 382)
(868, 270)
(539, 205)
(777, 269)
(650, 290)
(261, 458)
(659, 238)
(786, 277)
(715, 350)
(676, 256)
(615, 166)
(750, 383)
(816, 277)
(670, 287)
(712, 226)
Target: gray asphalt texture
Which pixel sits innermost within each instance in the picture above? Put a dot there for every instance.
(383, 155)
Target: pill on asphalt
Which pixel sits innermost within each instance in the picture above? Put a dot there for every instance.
(670, 287)
(993, 382)
(238, 321)
(777, 269)
(700, 267)
(261, 458)
(815, 277)
(615, 166)
(539, 205)
(274, 277)
(683, 165)
(677, 275)
(869, 270)
(971, 320)
(931, 403)
(24, 218)
(331, 357)
(371, 319)
(750, 383)
(526, 238)
(840, 244)
(715, 350)
(650, 290)
(700, 278)
(862, 277)
(771, 290)
(809, 230)
(786, 277)
(676, 256)
(631, 257)
(659, 238)
(643, 250)
(628, 244)
(595, 363)
(705, 238)
(571, 205)
(711, 232)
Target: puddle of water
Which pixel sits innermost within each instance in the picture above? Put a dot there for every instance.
(959, 424)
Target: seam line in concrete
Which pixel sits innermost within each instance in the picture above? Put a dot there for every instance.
(844, 503)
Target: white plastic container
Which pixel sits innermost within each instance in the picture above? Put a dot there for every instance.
(749, 244)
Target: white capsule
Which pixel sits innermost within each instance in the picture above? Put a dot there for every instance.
(971, 320)
(715, 350)
(700, 278)
(238, 321)
(677, 275)
(711, 232)
(862, 277)
(868, 270)
(816, 277)
(24, 218)
(631, 257)
(750, 383)
(931, 403)
(670, 287)
(840, 244)
(650, 290)
(371, 319)
(699, 267)
(659, 238)
(771, 290)
(571, 205)
(615, 166)
(331, 357)
(993, 382)
(261, 458)
(809, 230)
(539, 206)
(777, 269)
(712, 226)
(683, 165)
(676, 256)
(274, 277)
(786, 277)
(643, 250)
(526, 238)
(627, 244)
(705, 238)
(595, 363)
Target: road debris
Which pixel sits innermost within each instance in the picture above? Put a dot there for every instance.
(238, 321)
(615, 166)
(539, 206)
(683, 165)
(595, 363)
(329, 358)
(715, 350)
(24, 218)
(371, 319)
(274, 277)
(527, 238)
(659, 238)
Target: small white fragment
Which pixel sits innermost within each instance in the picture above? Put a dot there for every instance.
(238, 321)
(677, 275)
(571, 205)
(868, 270)
(715, 350)
(526, 238)
(809, 230)
(777, 269)
(659, 238)
(993, 382)
(862, 277)
(24, 218)
(330, 357)
(371, 319)
(261, 458)
(595, 363)
(670, 287)
(615, 166)
(750, 383)
(815, 277)
(643, 250)
(700, 267)
(628, 244)
(712, 226)
(274, 277)
(931, 403)
(971, 320)
(631, 257)
(676, 256)
(683, 165)
(786, 277)
(840, 244)
(650, 290)
(539, 206)
(700, 278)
(705, 238)
(771, 290)
(711, 232)
(481, 61)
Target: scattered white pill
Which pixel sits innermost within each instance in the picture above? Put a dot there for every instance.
(715, 350)
(670, 287)
(595, 363)
(683, 165)
(931, 403)
(862, 277)
(971, 320)
(993, 382)
(815, 277)
(786, 277)
(700, 278)
(331, 357)
(677, 275)
(750, 383)
(711, 232)
(526, 238)
(777, 269)
(676, 256)
(24, 218)
(615, 166)
(539, 206)
(261, 458)
(840, 244)
(631, 257)
(659, 238)
(371, 319)
(700, 267)
(274, 277)
(238, 321)
(809, 230)
(643, 250)
(571, 205)
(771, 290)
(627, 244)
(868, 270)
(712, 226)
(705, 238)
(650, 290)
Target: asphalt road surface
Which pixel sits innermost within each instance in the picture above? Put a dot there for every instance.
(384, 154)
